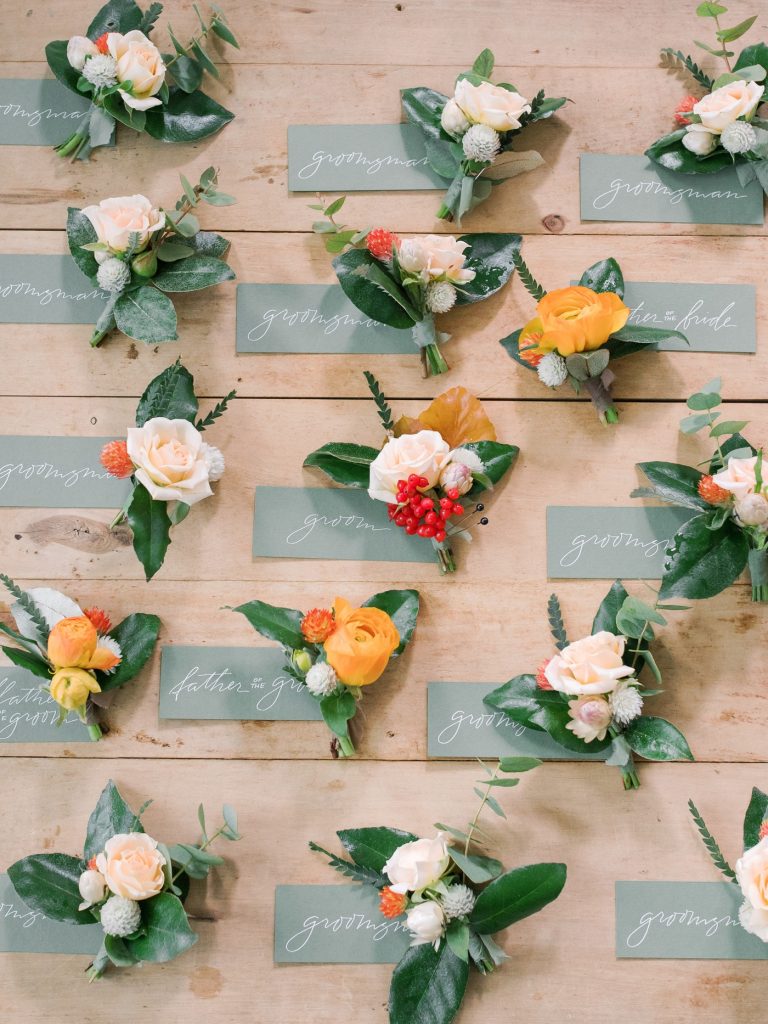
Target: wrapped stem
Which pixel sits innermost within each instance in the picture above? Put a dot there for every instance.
(425, 336)
(758, 571)
(602, 399)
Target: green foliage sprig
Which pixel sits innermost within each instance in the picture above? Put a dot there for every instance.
(385, 412)
(28, 604)
(709, 841)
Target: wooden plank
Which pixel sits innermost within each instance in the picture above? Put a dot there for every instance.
(721, 712)
(543, 202)
(207, 329)
(646, 835)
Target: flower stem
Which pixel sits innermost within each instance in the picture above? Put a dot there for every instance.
(444, 213)
(208, 842)
(122, 513)
(758, 571)
(434, 363)
(601, 397)
(445, 555)
(483, 802)
(630, 778)
(346, 746)
(94, 731)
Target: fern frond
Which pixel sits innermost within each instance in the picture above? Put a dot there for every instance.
(29, 606)
(218, 410)
(385, 413)
(536, 102)
(530, 283)
(709, 842)
(690, 65)
(350, 870)
(556, 624)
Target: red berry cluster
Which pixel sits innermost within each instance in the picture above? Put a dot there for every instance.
(423, 516)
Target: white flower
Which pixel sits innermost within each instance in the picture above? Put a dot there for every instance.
(415, 866)
(728, 103)
(481, 143)
(490, 104)
(426, 922)
(699, 140)
(752, 876)
(626, 703)
(752, 510)
(423, 454)
(92, 887)
(552, 370)
(111, 645)
(120, 917)
(321, 679)
(78, 49)
(169, 460)
(214, 460)
(113, 275)
(440, 297)
(589, 666)
(452, 119)
(138, 62)
(738, 137)
(590, 718)
(458, 901)
(456, 475)
(738, 477)
(115, 220)
(435, 258)
(412, 255)
(100, 71)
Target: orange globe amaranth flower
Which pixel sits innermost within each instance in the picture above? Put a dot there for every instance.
(541, 680)
(381, 243)
(685, 106)
(74, 643)
(712, 492)
(101, 43)
(528, 342)
(115, 459)
(101, 621)
(575, 319)
(362, 643)
(317, 625)
(763, 830)
(392, 904)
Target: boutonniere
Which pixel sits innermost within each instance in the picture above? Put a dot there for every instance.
(81, 656)
(336, 652)
(425, 467)
(578, 330)
(469, 136)
(720, 129)
(729, 531)
(455, 898)
(128, 80)
(405, 282)
(588, 696)
(170, 466)
(132, 885)
(138, 254)
(751, 868)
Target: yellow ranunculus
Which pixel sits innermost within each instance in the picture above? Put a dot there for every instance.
(71, 687)
(574, 319)
(74, 643)
(362, 643)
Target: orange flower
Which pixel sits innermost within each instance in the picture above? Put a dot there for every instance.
(712, 492)
(763, 830)
(685, 106)
(362, 643)
(101, 43)
(392, 904)
(576, 319)
(73, 643)
(101, 621)
(456, 415)
(541, 680)
(317, 625)
(528, 342)
(115, 459)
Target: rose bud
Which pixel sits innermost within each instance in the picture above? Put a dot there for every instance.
(145, 264)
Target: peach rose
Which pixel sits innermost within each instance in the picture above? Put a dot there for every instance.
(132, 866)
(489, 104)
(589, 666)
(170, 461)
(115, 220)
(728, 103)
(575, 319)
(71, 688)
(362, 643)
(435, 258)
(74, 643)
(738, 477)
(138, 62)
(752, 876)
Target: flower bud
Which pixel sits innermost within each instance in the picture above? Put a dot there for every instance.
(71, 688)
(452, 119)
(145, 264)
(752, 510)
(302, 661)
(92, 888)
(78, 49)
(426, 922)
(458, 476)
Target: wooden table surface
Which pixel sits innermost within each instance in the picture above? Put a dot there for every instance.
(333, 61)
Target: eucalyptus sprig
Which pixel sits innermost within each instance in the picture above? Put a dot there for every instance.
(713, 11)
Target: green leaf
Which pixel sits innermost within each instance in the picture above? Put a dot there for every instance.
(186, 117)
(188, 850)
(280, 624)
(118, 952)
(605, 619)
(675, 483)
(372, 847)
(732, 446)
(347, 464)
(633, 618)
(657, 740)
(218, 410)
(137, 635)
(423, 108)
(457, 937)
(116, 16)
(669, 152)
(335, 206)
(171, 251)
(146, 315)
(728, 427)
(101, 127)
(709, 842)
(605, 276)
(385, 412)
(752, 55)
(442, 157)
(166, 930)
(170, 394)
(690, 65)
(756, 814)
(56, 55)
(492, 257)
(337, 709)
(366, 295)
(151, 525)
(193, 274)
(427, 986)
(110, 816)
(203, 59)
(375, 274)
(710, 10)
(131, 118)
(47, 882)
(703, 562)
(497, 460)
(230, 819)
(224, 32)
(703, 400)
(402, 606)
(483, 64)
(81, 232)
(28, 661)
(556, 625)
(349, 869)
(519, 764)
(516, 895)
(693, 424)
(477, 869)
(728, 35)
(638, 337)
(208, 243)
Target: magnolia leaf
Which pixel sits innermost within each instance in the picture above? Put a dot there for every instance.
(510, 164)
(456, 415)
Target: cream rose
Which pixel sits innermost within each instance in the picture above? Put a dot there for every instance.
(738, 477)
(728, 103)
(115, 220)
(417, 865)
(699, 140)
(445, 259)
(132, 866)
(138, 62)
(424, 454)
(589, 666)
(426, 923)
(752, 876)
(79, 48)
(490, 104)
(170, 460)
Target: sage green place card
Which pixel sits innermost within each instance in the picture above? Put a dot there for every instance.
(335, 924)
(28, 714)
(46, 290)
(57, 472)
(459, 724)
(358, 158)
(594, 543)
(233, 683)
(713, 317)
(310, 318)
(38, 112)
(28, 931)
(683, 921)
(632, 188)
(330, 522)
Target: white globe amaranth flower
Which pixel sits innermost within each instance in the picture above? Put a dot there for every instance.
(552, 370)
(113, 275)
(100, 71)
(481, 143)
(440, 297)
(214, 460)
(321, 679)
(626, 703)
(738, 137)
(120, 917)
(458, 901)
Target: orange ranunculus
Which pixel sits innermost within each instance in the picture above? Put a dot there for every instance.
(576, 319)
(456, 415)
(360, 647)
(73, 643)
